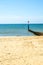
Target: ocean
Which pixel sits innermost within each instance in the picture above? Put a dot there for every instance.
(19, 29)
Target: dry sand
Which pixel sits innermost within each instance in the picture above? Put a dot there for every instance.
(21, 50)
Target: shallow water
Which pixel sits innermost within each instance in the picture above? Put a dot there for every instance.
(19, 29)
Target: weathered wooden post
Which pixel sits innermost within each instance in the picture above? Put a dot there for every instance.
(28, 25)
(34, 32)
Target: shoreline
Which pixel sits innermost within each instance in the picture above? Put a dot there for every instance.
(21, 36)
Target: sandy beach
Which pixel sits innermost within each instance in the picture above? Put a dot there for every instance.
(21, 50)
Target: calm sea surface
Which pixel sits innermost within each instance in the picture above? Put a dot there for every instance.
(19, 29)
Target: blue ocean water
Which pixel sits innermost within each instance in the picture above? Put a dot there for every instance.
(19, 29)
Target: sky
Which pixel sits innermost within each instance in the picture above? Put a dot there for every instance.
(20, 11)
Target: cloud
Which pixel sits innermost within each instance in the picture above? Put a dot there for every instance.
(20, 19)
(10, 18)
(36, 18)
(13, 19)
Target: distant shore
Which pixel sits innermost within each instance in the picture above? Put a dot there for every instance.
(21, 50)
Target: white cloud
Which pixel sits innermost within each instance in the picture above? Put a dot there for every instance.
(13, 19)
(36, 18)
(20, 19)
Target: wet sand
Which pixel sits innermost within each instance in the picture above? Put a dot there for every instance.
(21, 50)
